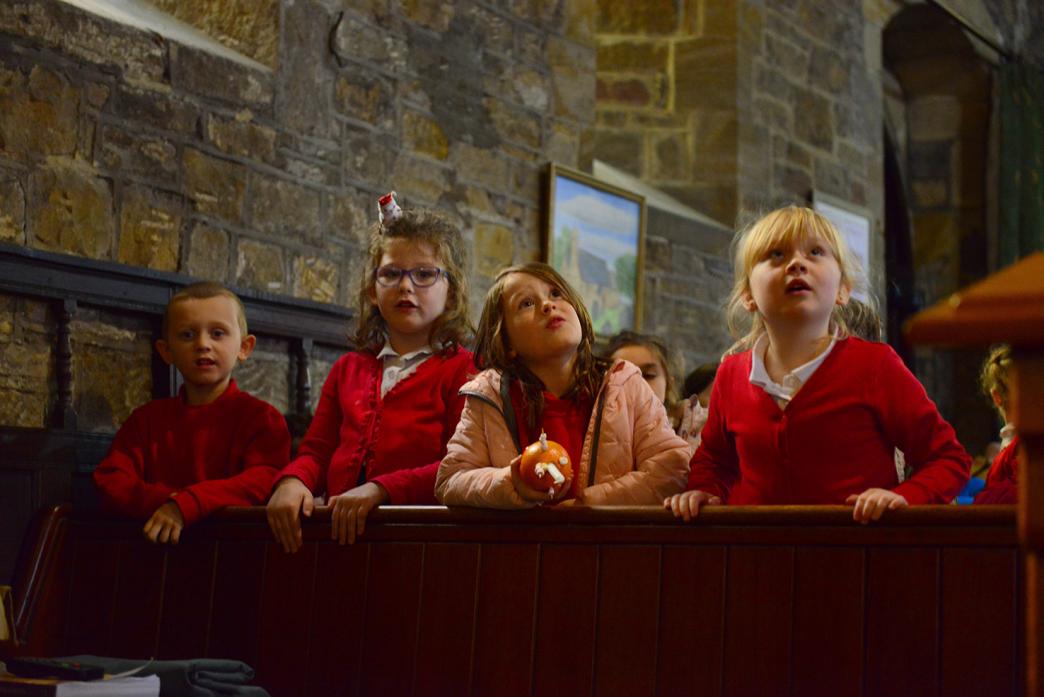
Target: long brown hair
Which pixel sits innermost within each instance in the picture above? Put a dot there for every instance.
(492, 350)
(658, 347)
(452, 328)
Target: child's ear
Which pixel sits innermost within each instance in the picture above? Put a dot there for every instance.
(843, 294)
(164, 351)
(246, 347)
(995, 395)
(748, 301)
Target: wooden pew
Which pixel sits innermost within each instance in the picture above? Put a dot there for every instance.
(436, 601)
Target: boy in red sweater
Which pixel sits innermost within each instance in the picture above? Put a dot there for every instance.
(179, 459)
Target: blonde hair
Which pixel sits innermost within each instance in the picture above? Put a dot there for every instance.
(492, 350)
(450, 329)
(792, 223)
(994, 374)
(204, 290)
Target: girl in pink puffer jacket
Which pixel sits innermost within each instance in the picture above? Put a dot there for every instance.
(535, 342)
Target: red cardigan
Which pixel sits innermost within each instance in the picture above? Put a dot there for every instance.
(226, 453)
(401, 437)
(1002, 482)
(835, 438)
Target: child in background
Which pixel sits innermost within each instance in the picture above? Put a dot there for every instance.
(535, 341)
(1002, 481)
(179, 459)
(813, 416)
(698, 386)
(653, 358)
(388, 408)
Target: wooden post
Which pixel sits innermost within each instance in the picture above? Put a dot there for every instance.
(1009, 307)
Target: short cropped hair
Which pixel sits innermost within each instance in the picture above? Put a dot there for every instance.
(205, 290)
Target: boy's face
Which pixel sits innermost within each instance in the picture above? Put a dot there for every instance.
(204, 342)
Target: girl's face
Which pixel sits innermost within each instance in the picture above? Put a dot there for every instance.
(409, 310)
(796, 284)
(652, 370)
(540, 324)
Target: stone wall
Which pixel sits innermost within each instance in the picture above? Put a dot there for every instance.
(254, 156)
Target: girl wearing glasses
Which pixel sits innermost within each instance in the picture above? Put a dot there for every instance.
(387, 408)
(536, 341)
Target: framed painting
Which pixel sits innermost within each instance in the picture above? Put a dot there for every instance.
(595, 237)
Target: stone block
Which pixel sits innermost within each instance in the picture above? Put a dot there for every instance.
(249, 27)
(150, 235)
(632, 56)
(307, 171)
(23, 409)
(208, 253)
(112, 368)
(793, 181)
(670, 158)
(424, 136)
(137, 55)
(369, 157)
(514, 125)
(355, 40)
(785, 56)
(715, 143)
(208, 75)
(259, 266)
(829, 71)
(773, 83)
(563, 143)
(124, 151)
(350, 217)
(494, 248)
(419, 182)
(572, 79)
(496, 31)
(859, 118)
(38, 114)
(772, 113)
(484, 166)
(580, 18)
(241, 136)
(266, 375)
(431, 15)
(366, 97)
(813, 120)
(315, 278)
(934, 117)
(628, 92)
(707, 69)
(653, 17)
(218, 187)
(157, 108)
(70, 209)
(12, 210)
(720, 18)
(531, 89)
(831, 177)
(620, 149)
(282, 208)
(305, 81)
(540, 12)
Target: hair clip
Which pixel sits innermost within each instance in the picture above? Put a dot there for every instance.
(388, 209)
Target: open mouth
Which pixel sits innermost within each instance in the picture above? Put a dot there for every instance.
(555, 322)
(205, 363)
(406, 305)
(797, 286)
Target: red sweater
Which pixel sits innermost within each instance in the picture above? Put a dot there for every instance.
(1002, 482)
(226, 453)
(835, 438)
(401, 437)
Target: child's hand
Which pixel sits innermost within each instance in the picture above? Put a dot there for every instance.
(350, 510)
(289, 497)
(165, 524)
(686, 505)
(870, 504)
(524, 490)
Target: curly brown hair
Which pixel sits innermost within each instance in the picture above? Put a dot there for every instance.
(492, 350)
(453, 327)
(994, 375)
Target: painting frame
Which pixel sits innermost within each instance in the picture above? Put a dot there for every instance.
(581, 208)
(856, 225)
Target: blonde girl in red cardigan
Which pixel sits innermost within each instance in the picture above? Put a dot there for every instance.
(388, 408)
(802, 413)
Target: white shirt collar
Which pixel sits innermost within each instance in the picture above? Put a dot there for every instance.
(389, 351)
(793, 380)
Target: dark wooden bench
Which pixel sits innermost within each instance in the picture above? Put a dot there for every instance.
(435, 601)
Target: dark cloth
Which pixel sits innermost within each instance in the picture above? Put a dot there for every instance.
(198, 677)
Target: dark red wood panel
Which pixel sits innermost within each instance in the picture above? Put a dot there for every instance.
(979, 607)
(447, 620)
(286, 611)
(628, 620)
(505, 620)
(563, 651)
(187, 600)
(902, 628)
(828, 621)
(236, 613)
(139, 594)
(92, 595)
(390, 630)
(337, 618)
(692, 612)
(758, 614)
